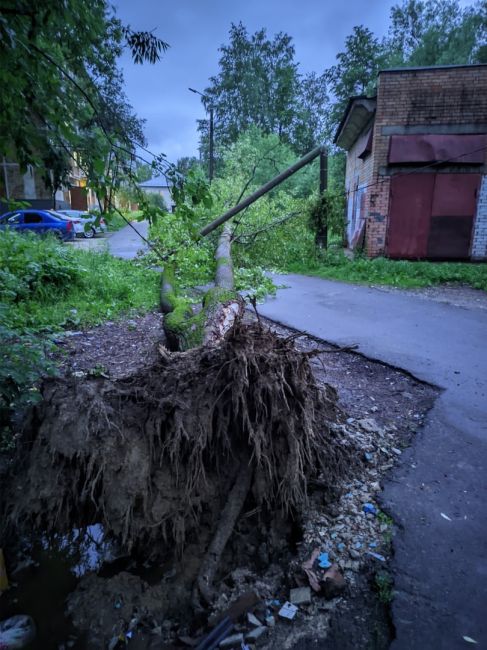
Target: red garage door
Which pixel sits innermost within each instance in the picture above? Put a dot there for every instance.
(431, 215)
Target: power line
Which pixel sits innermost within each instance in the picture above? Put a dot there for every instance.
(413, 171)
(160, 158)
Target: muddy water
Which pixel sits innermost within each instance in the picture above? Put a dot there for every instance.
(40, 591)
(45, 577)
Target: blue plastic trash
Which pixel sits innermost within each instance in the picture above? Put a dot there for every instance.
(324, 561)
(369, 508)
(377, 556)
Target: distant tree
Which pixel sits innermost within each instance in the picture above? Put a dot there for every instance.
(435, 32)
(257, 84)
(143, 172)
(356, 69)
(186, 163)
(257, 157)
(157, 200)
(310, 122)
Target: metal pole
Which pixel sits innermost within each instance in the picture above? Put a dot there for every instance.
(261, 191)
(323, 171)
(212, 161)
(323, 187)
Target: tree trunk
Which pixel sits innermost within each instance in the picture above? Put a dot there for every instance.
(185, 326)
(222, 307)
(222, 304)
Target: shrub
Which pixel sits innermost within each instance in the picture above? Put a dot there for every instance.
(31, 266)
(23, 362)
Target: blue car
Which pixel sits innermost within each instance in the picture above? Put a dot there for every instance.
(39, 221)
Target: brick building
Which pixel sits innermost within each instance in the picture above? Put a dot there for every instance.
(416, 176)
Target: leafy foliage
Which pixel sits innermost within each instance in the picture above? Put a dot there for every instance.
(327, 212)
(46, 287)
(145, 46)
(255, 85)
(356, 68)
(254, 282)
(31, 268)
(258, 84)
(432, 32)
(23, 362)
(188, 163)
(62, 91)
(259, 242)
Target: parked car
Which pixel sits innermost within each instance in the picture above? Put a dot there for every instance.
(85, 224)
(38, 221)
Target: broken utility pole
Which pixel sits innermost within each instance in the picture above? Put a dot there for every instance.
(264, 189)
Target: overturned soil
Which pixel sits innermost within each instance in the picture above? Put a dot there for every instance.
(377, 413)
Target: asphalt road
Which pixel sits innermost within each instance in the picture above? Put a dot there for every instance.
(440, 564)
(124, 243)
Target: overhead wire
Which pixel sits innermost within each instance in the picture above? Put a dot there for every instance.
(161, 158)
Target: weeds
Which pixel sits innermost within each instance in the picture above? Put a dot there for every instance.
(46, 286)
(389, 522)
(23, 361)
(397, 273)
(383, 583)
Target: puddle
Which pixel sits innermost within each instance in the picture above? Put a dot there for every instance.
(42, 581)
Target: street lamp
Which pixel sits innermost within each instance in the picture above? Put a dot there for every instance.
(212, 162)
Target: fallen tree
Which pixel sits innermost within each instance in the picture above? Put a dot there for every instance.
(155, 456)
(229, 414)
(187, 325)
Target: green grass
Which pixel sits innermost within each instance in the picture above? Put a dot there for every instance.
(108, 288)
(48, 286)
(396, 273)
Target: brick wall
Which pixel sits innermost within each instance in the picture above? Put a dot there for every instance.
(440, 100)
(479, 240)
(358, 175)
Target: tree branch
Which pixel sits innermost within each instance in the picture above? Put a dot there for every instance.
(83, 92)
(240, 239)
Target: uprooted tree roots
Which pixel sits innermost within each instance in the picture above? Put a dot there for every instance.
(185, 441)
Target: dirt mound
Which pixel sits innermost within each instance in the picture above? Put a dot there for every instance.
(153, 457)
(107, 608)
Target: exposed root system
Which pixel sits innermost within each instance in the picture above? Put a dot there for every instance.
(154, 457)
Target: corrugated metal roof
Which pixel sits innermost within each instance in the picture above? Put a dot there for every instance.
(158, 181)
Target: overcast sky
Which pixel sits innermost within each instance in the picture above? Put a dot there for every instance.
(195, 29)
